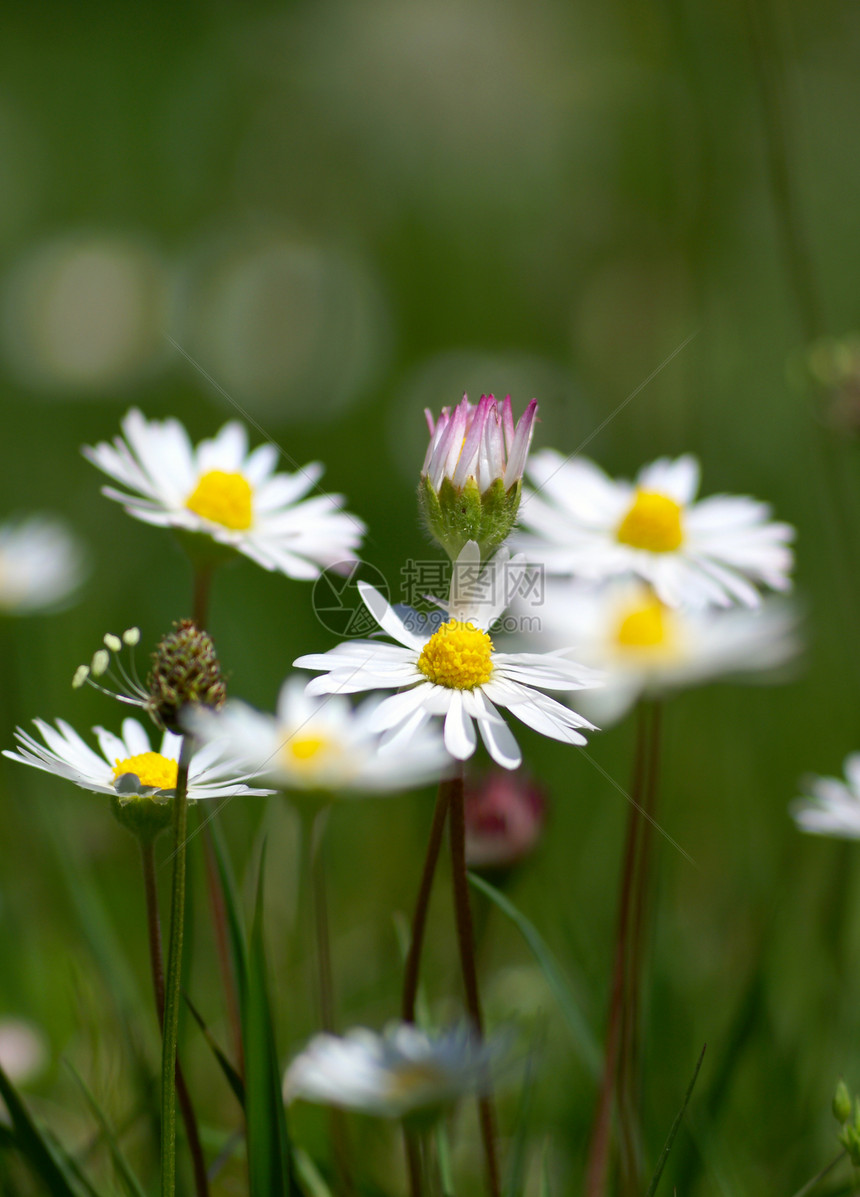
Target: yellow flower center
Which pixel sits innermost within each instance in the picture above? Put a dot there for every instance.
(458, 656)
(648, 626)
(653, 523)
(222, 498)
(414, 1077)
(308, 754)
(150, 768)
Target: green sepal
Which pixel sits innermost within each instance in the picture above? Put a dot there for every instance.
(454, 516)
(144, 815)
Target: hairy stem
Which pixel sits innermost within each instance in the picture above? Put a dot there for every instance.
(172, 994)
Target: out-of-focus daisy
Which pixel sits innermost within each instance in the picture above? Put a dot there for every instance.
(834, 806)
(222, 491)
(128, 764)
(400, 1072)
(23, 1050)
(645, 648)
(716, 551)
(41, 564)
(451, 669)
(321, 744)
(472, 475)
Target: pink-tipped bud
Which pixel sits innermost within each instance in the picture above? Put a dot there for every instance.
(472, 474)
(505, 816)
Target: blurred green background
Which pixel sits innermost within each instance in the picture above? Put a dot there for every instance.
(329, 216)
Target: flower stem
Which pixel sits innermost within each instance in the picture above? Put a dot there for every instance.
(419, 918)
(174, 976)
(630, 1054)
(218, 908)
(466, 944)
(597, 1167)
(147, 853)
(202, 590)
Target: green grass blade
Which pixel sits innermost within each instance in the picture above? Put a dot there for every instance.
(270, 1164)
(121, 1164)
(664, 1155)
(580, 1031)
(233, 1079)
(235, 921)
(517, 1157)
(39, 1152)
(545, 1190)
(312, 1178)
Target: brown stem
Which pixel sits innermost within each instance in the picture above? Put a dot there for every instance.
(419, 919)
(202, 588)
(466, 944)
(597, 1167)
(218, 907)
(156, 961)
(413, 1163)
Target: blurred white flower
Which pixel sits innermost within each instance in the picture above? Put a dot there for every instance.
(451, 669)
(321, 744)
(128, 764)
(717, 551)
(643, 647)
(834, 805)
(392, 1075)
(23, 1050)
(41, 564)
(220, 490)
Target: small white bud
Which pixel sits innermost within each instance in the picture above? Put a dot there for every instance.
(131, 636)
(112, 642)
(81, 674)
(100, 662)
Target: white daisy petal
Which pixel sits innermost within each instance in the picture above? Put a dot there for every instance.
(715, 552)
(223, 491)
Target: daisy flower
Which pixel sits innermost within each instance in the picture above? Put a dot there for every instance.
(41, 564)
(321, 744)
(645, 648)
(451, 669)
(834, 805)
(128, 764)
(391, 1075)
(716, 551)
(220, 490)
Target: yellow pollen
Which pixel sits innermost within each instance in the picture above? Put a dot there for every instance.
(644, 627)
(458, 656)
(150, 768)
(653, 523)
(222, 498)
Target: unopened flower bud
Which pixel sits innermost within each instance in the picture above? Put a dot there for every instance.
(841, 1103)
(472, 477)
(505, 816)
(185, 672)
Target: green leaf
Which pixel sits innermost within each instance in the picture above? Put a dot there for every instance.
(517, 1156)
(310, 1174)
(270, 1164)
(580, 1031)
(45, 1159)
(120, 1163)
(233, 1079)
(664, 1155)
(545, 1190)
